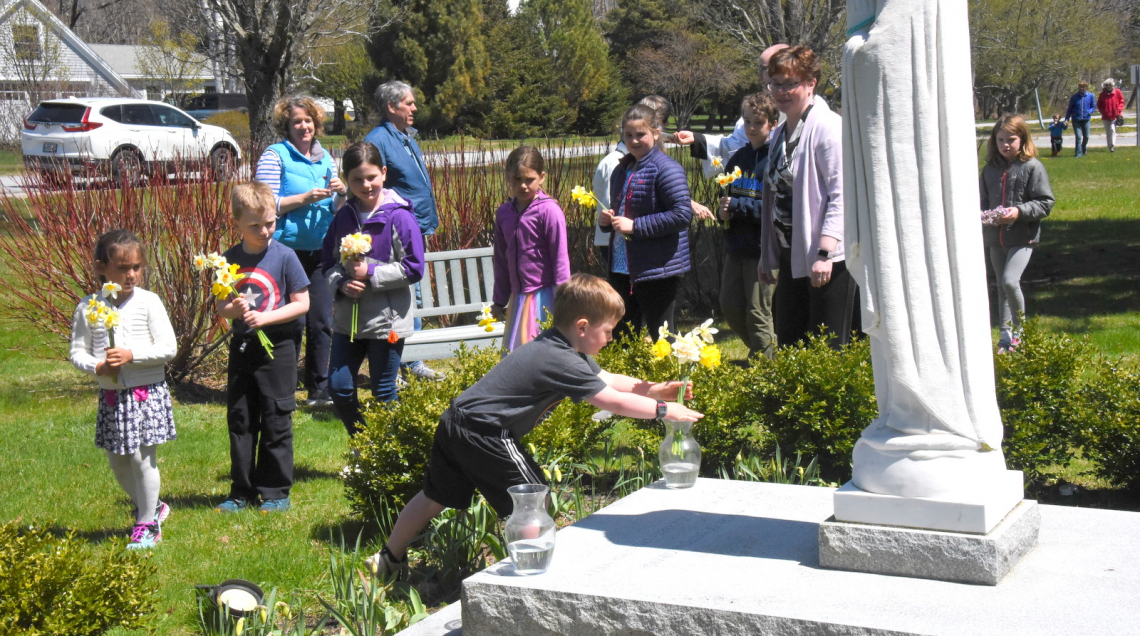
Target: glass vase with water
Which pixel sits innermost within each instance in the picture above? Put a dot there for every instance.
(680, 455)
(530, 530)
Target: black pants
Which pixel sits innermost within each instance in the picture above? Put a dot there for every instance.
(316, 325)
(1057, 143)
(799, 309)
(261, 397)
(648, 304)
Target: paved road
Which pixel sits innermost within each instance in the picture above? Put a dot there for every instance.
(13, 185)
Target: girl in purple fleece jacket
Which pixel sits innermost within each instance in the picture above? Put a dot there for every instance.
(379, 284)
(530, 250)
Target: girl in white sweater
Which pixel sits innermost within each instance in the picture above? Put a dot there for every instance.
(122, 336)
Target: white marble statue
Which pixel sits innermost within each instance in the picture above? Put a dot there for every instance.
(914, 244)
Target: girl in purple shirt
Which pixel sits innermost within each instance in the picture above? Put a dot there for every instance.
(530, 250)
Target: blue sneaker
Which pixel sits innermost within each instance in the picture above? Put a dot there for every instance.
(275, 505)
(144, 536)
(232, 505)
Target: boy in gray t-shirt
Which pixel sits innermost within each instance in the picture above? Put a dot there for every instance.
(477, 444)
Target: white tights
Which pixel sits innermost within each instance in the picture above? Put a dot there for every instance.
(137, 474)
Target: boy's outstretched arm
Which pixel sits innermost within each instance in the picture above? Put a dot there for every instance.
(640, 406)
(657, 390)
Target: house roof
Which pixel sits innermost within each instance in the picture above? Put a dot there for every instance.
(124, 58)
(69, 39)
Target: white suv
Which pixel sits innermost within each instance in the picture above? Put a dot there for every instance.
(133, 136)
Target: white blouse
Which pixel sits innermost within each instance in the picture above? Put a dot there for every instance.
(144, 328)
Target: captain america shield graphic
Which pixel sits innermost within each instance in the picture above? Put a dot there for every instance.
(258, 288)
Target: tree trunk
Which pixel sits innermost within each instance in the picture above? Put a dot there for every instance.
(338, 117)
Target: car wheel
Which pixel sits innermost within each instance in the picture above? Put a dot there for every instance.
(126, 167)
(222, 163)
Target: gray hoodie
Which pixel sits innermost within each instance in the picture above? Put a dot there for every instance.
(1023, 185)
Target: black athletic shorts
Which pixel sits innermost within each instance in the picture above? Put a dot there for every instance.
(469, 456)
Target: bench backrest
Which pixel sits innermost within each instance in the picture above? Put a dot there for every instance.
(456, 282)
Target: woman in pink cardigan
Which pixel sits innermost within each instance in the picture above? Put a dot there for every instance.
(803, 207)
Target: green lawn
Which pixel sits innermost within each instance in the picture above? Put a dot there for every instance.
(50, 471)
(11, 162)
(1084, 277)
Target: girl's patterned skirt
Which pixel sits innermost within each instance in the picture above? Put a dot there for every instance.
(525, 313)
(129, 418)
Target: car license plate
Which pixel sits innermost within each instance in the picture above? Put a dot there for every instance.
(50, 147)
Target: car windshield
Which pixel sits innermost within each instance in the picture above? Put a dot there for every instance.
(53, 113)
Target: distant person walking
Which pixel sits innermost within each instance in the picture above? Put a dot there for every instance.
(1110, 103)
(1082, 105)
(1015, 182)
(407, 173)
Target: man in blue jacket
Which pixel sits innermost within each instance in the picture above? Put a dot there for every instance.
(407, 172)
(1082, 105)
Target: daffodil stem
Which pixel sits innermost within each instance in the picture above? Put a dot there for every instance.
(111, 340)
(265, 342)
(355, 319)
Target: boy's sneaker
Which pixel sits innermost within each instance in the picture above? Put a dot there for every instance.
(232, 505)
(160, 513)
(384, 563)
(144, 536)
(423, 371)
(275, 505)
(319, 398)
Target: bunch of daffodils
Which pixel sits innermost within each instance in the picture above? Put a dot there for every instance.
(354, 247)
(224, 285)
(689, 350)
(486, 321)
(100, 312)
(724, 179)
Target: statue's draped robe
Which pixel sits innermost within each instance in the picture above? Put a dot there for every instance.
(914, 244)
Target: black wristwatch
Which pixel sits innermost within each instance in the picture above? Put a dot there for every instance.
(824, 253)
(662, 409)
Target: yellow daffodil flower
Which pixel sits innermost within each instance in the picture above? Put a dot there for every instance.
(486, 320)
(557, 474)
(736, 173)
(215, 261)
(199, 262)
(111, 290)
(92, 316)
(546, 472)
(220, 291)
(111, 319)
(710, 356)
(662, 349)
(584, 197)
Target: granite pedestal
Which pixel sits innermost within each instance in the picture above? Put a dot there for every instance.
(727, 557)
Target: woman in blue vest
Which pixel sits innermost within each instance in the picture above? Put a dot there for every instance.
(304, 182)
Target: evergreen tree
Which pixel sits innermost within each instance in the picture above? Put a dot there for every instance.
(634, 24)
(438, 47)
(570, 41)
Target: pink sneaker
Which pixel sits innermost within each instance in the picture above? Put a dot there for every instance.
(144, 536)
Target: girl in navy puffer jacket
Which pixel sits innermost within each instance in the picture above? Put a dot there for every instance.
(649, 243)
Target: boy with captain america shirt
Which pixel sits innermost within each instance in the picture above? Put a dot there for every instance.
(273, 291)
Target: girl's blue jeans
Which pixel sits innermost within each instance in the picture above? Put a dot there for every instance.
(383, 367)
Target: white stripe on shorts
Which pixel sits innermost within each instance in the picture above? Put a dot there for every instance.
(515, 455)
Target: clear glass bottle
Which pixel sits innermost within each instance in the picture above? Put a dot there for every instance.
(530, 530)
(680, 455)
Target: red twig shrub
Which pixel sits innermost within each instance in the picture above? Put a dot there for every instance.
(49, 240)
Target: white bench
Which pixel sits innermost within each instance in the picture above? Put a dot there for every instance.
(455, 282)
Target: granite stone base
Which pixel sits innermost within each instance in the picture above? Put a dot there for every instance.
(730, 557)
(931, 554)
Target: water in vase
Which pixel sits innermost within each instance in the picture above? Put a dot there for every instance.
(532, 556)
(680, 474)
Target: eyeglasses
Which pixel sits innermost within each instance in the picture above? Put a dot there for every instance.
(783, 86)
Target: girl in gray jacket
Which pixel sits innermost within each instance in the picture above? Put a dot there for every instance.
(1015, 191)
